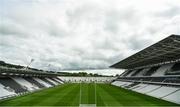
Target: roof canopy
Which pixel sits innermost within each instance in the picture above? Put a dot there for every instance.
(166, 50)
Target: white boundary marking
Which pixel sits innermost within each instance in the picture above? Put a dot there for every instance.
(87, 105)
(80, 95)
(95, 93)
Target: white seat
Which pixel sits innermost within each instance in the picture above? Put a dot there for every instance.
(121, 83)
(55, 83)
(149, 88)
(163, 91)
(161, 71)
(4, 92)
(139, 86)
(175, 97)
(58, 80)
(42, 82)
(25, 83)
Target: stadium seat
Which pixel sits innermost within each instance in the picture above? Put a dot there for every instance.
(42, 82)
(23, 82)
(8, 82)
(163, 91)
(4, 92)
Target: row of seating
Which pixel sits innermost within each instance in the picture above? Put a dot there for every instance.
(173, 80)
(168, 69)
(12, 86)
(165, 92)
(87, 79)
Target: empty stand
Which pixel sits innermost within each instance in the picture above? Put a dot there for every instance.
(117, 83)
(132, 72)
(127, 73)
(59, 78)
(142, 72)
(151, 71)
(30, 79)
(158, 70)
(174, 97)
(52, 81)
(25, 83)
(175, 80)
(42, 82)
(176, 67)
(175, 70)
(163, 91)
(8, 82)
(136, 72)
(132, 85)
(139, 86)
(47, 81)
(123, 74)
(161, 70)
(4, 92)
(149, 88)
(56, 80)
(121, 83)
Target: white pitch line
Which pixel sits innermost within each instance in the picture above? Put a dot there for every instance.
(80, 95)
(95, 93)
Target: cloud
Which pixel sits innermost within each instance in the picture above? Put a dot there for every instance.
(70, 34)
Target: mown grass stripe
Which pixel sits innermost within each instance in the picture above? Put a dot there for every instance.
(91, 93)
(108, 99)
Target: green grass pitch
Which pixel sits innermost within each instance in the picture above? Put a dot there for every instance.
(75, 94)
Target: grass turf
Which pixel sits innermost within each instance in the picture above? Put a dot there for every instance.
(69, 95)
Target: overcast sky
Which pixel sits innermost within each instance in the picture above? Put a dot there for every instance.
(70, 34)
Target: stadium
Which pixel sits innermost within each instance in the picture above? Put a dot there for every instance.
(90, 53)
(151, 79)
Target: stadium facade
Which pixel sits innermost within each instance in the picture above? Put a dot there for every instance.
(154, 71)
